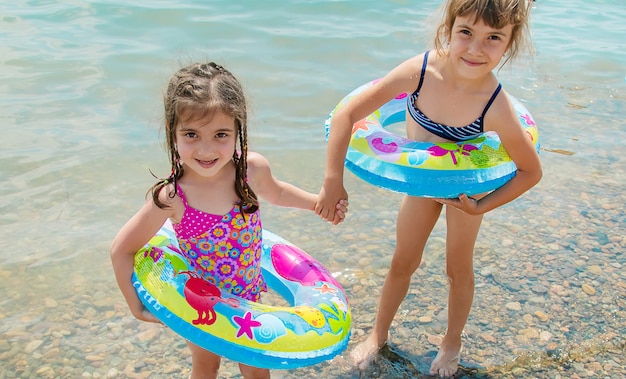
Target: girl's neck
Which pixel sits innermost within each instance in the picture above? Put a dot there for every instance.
(215, 194)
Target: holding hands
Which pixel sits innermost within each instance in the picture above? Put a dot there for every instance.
(332, 203)
(340, 212)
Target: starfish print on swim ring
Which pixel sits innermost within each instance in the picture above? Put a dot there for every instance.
(325, 288)
(246, 323)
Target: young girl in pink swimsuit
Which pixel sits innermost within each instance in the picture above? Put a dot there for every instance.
(211, 197)
(454, 92)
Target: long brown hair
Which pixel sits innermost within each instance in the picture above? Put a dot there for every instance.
(196, 91)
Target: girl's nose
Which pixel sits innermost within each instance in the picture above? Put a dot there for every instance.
(475, 47)
(205, 148)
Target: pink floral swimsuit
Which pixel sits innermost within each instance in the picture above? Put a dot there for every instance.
(223, 250)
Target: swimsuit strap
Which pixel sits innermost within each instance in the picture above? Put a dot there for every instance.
(182, 195)
(493, 97)
(419, 86)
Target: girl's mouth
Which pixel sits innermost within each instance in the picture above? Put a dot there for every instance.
(206, 164)
(471, 63)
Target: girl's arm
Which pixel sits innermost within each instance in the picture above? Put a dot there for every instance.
(276, 191)
(403, 78)
(132, 237)
(502, 119)
(281, 193)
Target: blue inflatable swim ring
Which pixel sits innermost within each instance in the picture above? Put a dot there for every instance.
(424, 169)
(314, 328)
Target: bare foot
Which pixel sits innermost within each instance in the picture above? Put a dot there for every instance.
(446, 362)
(364, 353)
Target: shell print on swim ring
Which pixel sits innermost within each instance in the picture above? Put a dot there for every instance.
(314, 328)
(441, 169)
(271, 328)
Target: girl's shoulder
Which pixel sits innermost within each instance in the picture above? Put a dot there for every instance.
(413, 64)
(257, 161)
(259, 171)
(405, 76)
(170, 198)
(501, 113)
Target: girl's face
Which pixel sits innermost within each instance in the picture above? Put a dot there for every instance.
(477, 48)
(206, 145)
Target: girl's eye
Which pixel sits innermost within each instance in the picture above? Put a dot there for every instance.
(494, 38)
(465, 31)
(221, 135)
(190, 135)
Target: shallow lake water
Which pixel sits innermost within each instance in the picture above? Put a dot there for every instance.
(80, 100)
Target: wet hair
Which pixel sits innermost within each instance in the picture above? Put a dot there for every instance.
(495, 13)
(195, 92)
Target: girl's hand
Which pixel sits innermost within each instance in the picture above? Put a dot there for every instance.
(340, 211)
(145, 315)
(328, 201)
(465, 203)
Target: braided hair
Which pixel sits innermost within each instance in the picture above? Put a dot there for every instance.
(193, 92)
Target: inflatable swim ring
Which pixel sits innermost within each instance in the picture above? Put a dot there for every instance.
(442, 170)
(314, 329)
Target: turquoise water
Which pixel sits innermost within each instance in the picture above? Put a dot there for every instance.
(80, 103)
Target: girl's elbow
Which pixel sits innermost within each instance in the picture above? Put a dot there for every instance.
(116, 250)
(113, 249)
(539, 176)
(530, 177)
(536, 176)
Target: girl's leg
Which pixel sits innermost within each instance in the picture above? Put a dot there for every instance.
(416, 219)
(461, 237)
(204, 364)
(249, 372)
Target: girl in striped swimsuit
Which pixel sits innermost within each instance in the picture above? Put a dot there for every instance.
(455, 96)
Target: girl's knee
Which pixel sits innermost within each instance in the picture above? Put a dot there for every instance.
(403, 265)
(402, 270)
(460, 266)
(460, 278)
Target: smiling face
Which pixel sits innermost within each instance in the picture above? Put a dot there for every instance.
(497, 14)
(206, 145)
(475, 47)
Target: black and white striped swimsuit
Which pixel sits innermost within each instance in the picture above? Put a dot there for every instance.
(451, 133)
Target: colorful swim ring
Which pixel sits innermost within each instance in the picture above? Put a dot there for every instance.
(441, 170)
(314, 329)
